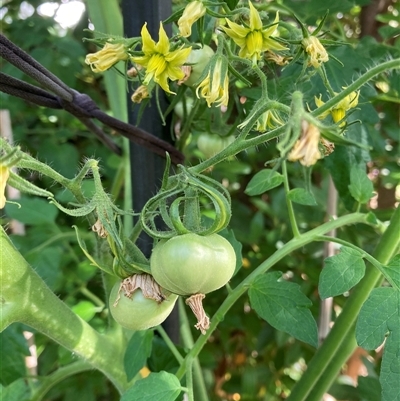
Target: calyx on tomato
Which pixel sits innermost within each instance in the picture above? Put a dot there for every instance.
(138, 302)
(193, 264)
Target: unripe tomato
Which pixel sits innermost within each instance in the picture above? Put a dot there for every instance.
(138, 312)
(179, 110)
(211, 144)
(198, 59)
(189, 264)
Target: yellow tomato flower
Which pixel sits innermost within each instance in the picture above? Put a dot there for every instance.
(315, 50)
(306, 149)
(338, 111)
(105, 58)
(253, 40)
(192, 12)
(4, 174)
(161, 64)
(215, 87)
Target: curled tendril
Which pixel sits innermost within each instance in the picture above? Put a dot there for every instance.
(177, 205)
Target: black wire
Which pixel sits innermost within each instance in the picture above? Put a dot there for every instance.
(78, 104)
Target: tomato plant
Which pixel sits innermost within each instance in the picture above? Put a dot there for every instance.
(282, 217)
(189, 264)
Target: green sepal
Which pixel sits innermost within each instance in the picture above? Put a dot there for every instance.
(17, 182)
(93, 261)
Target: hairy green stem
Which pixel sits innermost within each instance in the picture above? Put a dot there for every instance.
(327, 359)
(56, 377)
(292, 217)
(238, 146)
(26, 298)
(289, 247)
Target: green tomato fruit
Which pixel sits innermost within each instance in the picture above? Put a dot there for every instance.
(198, 59)
(211, 144)
(179, 110)
(138, 312)
(190, 264)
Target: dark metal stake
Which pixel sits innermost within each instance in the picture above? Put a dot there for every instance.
(146, 167)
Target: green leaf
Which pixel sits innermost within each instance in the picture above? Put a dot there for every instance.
(86, 310)
(16, 391)
(393, 270)
(284, 307)
(137, 352)
(13, 350)
(161, 357)
(263, 181)
(156, 386)
(301, 196)
(369, 388)
(360, 187)
(379, 319)
(341, 272)
(32, 211)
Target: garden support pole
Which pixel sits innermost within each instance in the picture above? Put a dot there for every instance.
(147, 168)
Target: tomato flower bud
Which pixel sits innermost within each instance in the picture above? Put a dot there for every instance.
(105, 58)
(140, 94)
(192, 12)
(215, 86)
(4, 174)
(315, 50)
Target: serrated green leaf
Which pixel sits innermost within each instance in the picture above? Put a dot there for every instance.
(301, 196)
(390, 367)
(137, 352)
(361, 188)
(33, 211)
(393, 270)
(263, 181)
(379, 318)
(284, 307)
(156, 386)
(341, 272)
